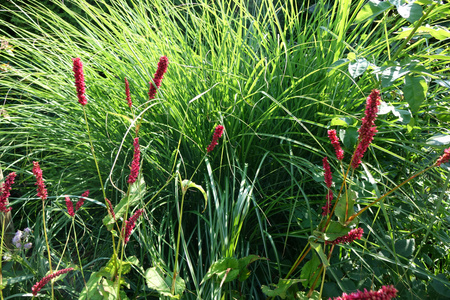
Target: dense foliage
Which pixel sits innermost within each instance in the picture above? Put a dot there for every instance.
(261, 82)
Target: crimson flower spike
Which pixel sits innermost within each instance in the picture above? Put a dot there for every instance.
(130, 224)
(444, 158)
(41, 190)
(335, 142)
(5, 192)
(354, 234)
(157, 78)
(39, 285)
(387, 292)
(368, 129)
(79, 80)
(329, 183)
(69, 206)
(80, 202)
(135, 163)
(127, 92)
(217, 134)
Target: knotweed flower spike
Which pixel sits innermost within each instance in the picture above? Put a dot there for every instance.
(69, 206)
(41, 190)
(135, 163)
(217, 134)
(386, 292)
(129, 225)
(354, 234)
(79, 80)
(111, 209)
(80, 202)
(127, 92)
(39, 285)
(335, 142)
(329, 183)
(157, 78)
(368, 129)
(444, 158)
(5, 192)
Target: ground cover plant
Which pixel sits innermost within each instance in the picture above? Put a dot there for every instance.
(179, 150)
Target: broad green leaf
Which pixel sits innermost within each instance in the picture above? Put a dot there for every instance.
(410, 11)
(405, 248)
(438, 32)
(357, 67)
(162, 285)
(91, 290)
(186, 184)
(415, 90)
(280, 289)
(137, 192)
(443, 286)
(225, 269)
(303, 296)
(310, 271)
(244, 272)
(335, 230)
(391, 74)
(109, 290)
(336, 121)
(344, 207)
(439, 140)
(372, 9)
(349, 137)
(318, 248)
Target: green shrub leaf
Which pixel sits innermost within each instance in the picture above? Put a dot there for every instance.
(372, 9)
(415, 90)
(411, 11)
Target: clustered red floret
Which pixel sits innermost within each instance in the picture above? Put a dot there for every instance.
(39, 285)
(80, 202)
(328, 182)
(157, 78)
(41, 190)
(135, 163)
(354, 234)
(110, 208)
(217, 134)
(368, 129)
(444, 157)
(127, 92)
(129, 225)
(69, 206)
(5, 191)
(79, 80)
(335, 142)
(386, 292)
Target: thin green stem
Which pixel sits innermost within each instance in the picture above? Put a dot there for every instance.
(78, 254)
(48, 246)
(178, 244)
(1, 255)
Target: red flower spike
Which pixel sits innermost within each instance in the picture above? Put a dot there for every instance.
(386, 292)
(135, 163)
(354, 234)
(335, 142)
(81, 201)
(69, 206)
(127, 92)
(130, 224)
(5, 192)
(41, 190)
(111, 209)
(79, 80)
(157, 78)
(444, 158)
(217, 134)
(39, 285)
(328, 177)
(368, 129)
